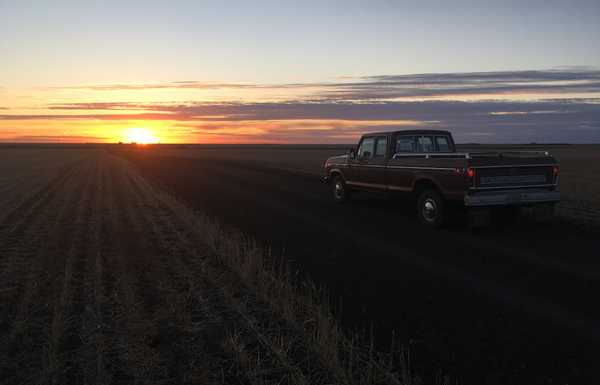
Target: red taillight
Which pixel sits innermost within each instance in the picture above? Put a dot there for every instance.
(470, 176)
(555, 172)
(470, 173)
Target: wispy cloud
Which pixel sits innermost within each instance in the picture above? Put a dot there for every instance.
(187, 84)
(55, 139)
(574, 80)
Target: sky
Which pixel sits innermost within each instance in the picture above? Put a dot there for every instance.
(298, 72)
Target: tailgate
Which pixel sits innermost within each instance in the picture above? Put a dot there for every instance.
(510, 176)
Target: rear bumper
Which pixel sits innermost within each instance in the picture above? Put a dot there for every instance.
(511, 198)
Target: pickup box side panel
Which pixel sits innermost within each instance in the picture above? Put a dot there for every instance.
(404, 172)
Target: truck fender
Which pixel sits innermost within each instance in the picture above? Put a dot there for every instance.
(420, 180)
(337, 171)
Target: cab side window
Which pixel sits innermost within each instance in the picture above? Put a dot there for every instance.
(380, 147)
(443, 144)
(406, 144)
(365, 150)
(426, 144)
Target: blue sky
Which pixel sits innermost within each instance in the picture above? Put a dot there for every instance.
(275, 41)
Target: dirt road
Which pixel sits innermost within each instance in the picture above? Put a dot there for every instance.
(105, 280)
(514, 305)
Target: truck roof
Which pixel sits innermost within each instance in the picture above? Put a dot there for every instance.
(411, 132)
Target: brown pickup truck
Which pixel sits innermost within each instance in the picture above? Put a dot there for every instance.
(425, 164)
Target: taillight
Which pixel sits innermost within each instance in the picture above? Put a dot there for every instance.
(470, 174)
(555, 172)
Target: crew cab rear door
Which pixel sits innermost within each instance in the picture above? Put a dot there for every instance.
(368, 168)
(403, 160)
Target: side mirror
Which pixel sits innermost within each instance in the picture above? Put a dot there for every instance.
(351, 153)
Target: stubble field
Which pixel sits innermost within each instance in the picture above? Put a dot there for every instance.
(111, 273)
(105, 279)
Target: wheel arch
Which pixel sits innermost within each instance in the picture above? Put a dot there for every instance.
(336, 172)
(424, 183)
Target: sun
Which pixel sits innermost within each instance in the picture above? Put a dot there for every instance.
(140, 135)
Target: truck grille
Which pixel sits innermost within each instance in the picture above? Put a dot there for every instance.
(513, 176)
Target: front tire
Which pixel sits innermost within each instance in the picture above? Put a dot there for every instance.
(430, 208)
(339, 189)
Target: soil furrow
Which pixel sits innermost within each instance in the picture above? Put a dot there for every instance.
(65, 343)
(16, 221)
(30, 311)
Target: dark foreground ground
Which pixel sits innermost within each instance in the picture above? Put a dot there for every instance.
(499, 306)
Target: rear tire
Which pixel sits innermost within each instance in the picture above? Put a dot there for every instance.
(339, 189)
(430, 208)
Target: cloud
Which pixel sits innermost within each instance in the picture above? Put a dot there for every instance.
(187, 84)
(382, 87)
(340, 111)
(564, 120)
(96, 106)
(54, 139)
(467, 84)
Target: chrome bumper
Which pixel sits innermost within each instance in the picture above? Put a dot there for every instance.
(511, 198)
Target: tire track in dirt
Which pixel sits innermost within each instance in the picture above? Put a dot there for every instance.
(65, 343)
(96, 315)
(105, 340)
(131, 298)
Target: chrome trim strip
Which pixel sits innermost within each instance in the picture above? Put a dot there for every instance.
(368, 165)
(374, 185)
(511, 198)
(515, 187)
(425, 168)
(399, 188)
(518, 165)
(406, 167)
(428, 155)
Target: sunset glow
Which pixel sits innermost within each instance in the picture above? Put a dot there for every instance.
(180, 77)
(140, 136)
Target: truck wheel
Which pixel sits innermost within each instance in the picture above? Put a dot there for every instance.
(430, 208)
(341, 192)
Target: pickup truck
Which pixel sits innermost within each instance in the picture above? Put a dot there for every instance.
(425, 164)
